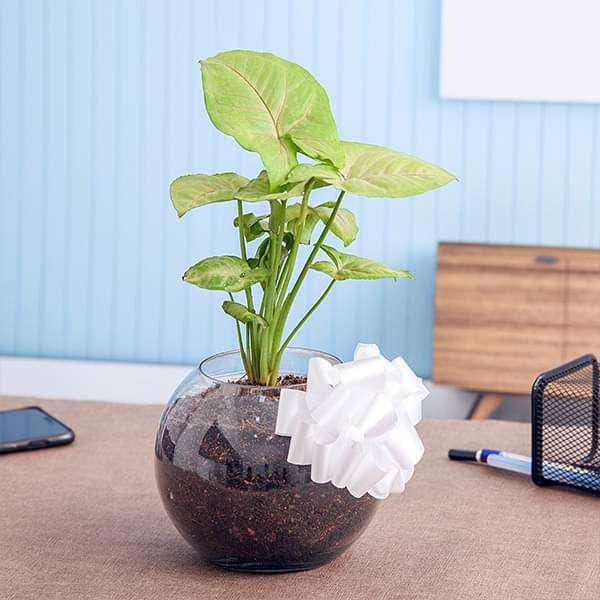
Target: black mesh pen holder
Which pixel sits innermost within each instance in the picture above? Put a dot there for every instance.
(565, 422)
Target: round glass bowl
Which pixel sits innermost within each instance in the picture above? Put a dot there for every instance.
(225, 481)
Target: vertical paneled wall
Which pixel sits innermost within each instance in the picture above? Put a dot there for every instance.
(101, 107)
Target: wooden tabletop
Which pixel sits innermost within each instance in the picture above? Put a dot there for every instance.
(85, 521)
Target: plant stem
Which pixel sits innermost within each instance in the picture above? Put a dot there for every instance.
(282, 277)
(242, 234)
(285, 308)
(289, 338)
(245, 362)
(291, 262)
(250, 333)
(276, 228)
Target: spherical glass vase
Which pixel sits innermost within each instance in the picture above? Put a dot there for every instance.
(224, 479)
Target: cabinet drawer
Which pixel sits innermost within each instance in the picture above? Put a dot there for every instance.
(499, 296)
(486, 256)
(583, 312)
(494, 356)
(498, 323)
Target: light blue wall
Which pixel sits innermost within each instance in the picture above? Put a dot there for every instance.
(100, 108)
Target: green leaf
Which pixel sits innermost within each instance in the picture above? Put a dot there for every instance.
(270, 106)
(191, 191)
(258, 189)
(326, 267)
(321, 172)
(288, 241)
(348, 266)
(257, 230)
(229, 273)
(344, 224)
(310, 222)
(292, 214)
(243, 314)
(254, 227)
(292, 211)
(262, 251)
(379, 172)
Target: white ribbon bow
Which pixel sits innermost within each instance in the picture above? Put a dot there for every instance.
(355, 422)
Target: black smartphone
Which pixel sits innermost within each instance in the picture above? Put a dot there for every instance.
(31, 428)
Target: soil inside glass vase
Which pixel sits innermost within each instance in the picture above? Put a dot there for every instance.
(226, 483)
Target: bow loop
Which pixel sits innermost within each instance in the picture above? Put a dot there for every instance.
(355, 423)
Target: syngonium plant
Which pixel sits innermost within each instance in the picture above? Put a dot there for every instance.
(279, 110)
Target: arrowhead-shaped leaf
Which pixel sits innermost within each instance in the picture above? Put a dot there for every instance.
(228, 273)
(254, 226)
(344, 224)
(258, 189)
(262, 251)
(319, 171)
(383, 173)
(348, 266)
(191, 191)
(270, 106)
(326, 267)
(292, 213)
(243, 314)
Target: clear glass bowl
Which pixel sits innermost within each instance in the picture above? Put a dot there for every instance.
(225, 481)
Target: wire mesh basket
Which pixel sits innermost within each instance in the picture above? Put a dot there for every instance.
(565, 424)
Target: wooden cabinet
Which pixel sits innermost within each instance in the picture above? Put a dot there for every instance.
(504, 314)
(583, 307)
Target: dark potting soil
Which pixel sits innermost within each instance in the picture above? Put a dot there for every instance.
(288, 380)
(226, 483)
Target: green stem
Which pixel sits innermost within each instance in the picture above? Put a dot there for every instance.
(276, 228)
(291, 262)
(242, 234)
(282, 277)
(303, 320)
(251, 341)
(285, 308)
(245, 362)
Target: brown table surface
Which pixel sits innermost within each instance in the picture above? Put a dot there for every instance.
(85, 521)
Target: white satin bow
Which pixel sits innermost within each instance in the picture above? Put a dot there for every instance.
(355, 423)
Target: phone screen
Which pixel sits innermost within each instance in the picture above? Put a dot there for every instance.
(28, 423)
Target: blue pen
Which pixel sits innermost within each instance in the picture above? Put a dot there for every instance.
(494, 458)
(522, 464)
